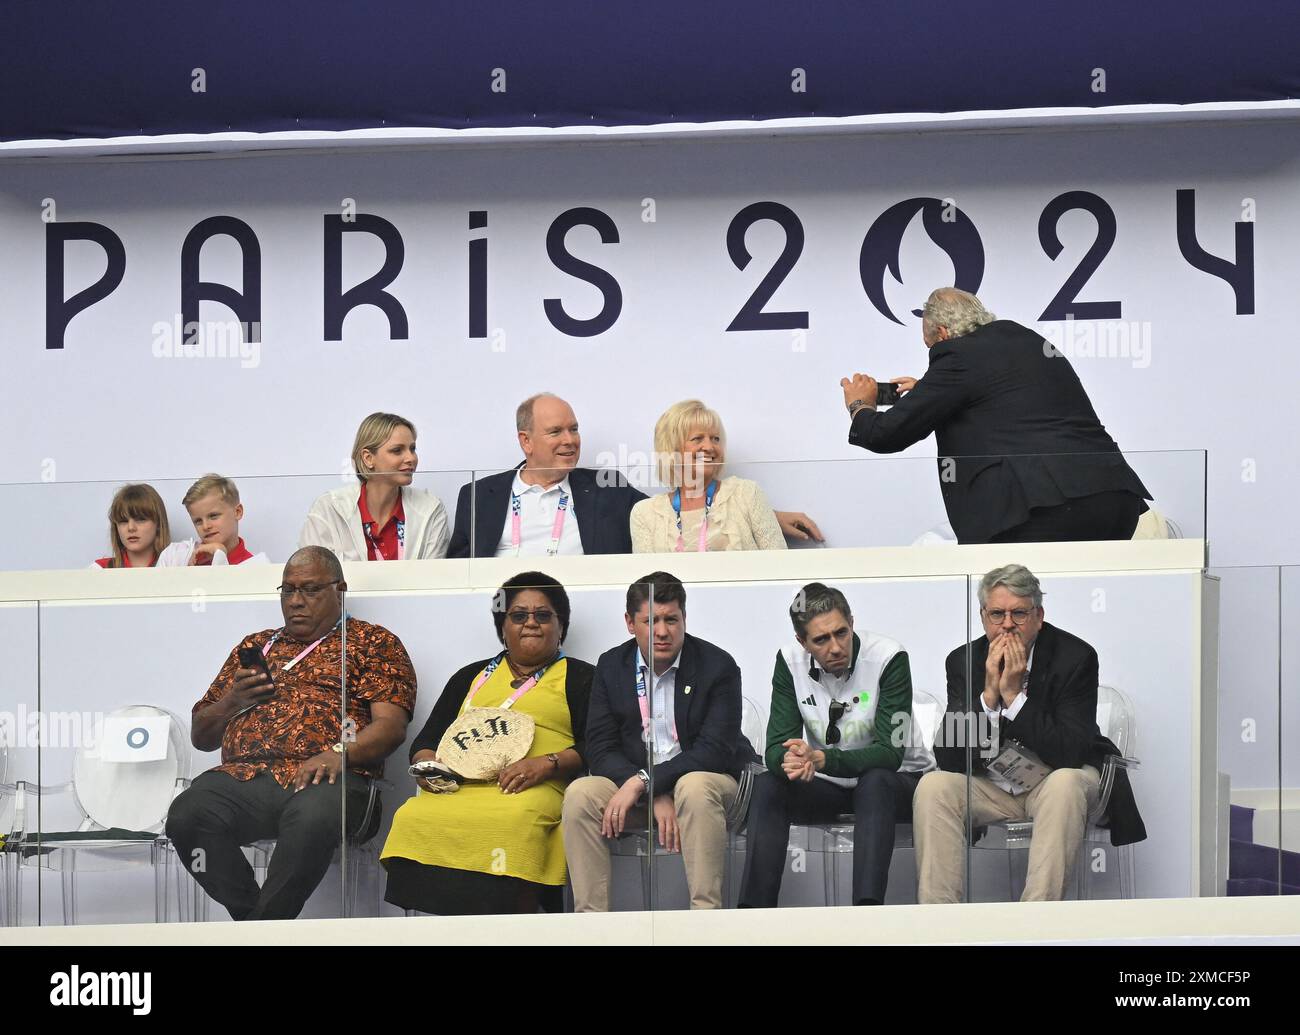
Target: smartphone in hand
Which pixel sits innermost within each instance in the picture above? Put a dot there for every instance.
(251, 657)
(886, 393)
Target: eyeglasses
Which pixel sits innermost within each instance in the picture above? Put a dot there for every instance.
(838, 708)
(542, 616)
(308, 592)
(1020, 616)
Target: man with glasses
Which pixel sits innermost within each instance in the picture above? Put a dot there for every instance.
(1022, 455)
(1032, 694)
(681, 695)
(839, 740)
(274, 711)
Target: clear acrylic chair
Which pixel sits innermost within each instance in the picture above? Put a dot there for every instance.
(123, 782)
(363, 853)
(835, 839)
(642, 843)
(1116, 718)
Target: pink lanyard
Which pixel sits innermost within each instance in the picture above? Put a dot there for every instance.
(302, 654)
(523, 688)
(703, 545)
(643, 704)
(516, 535)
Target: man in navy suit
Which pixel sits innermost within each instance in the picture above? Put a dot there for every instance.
(681, 695)
(1022, 455)
(1033, 687)
(549, 505)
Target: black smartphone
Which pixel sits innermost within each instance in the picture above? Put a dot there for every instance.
(251, 657)
(886, 393)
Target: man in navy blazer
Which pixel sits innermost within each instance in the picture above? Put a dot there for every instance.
(1032, 686)
(1022, 455)
(685, 703)
(550, 493)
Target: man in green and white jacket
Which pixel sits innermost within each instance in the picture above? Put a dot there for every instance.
(839, 740)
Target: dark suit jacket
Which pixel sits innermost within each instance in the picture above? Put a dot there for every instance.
(577, 692)
(1058, 720)
(708, 718)
(1012, 412)
(602, 502)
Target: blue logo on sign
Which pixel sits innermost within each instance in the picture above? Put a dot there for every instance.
(137, 742)
(948, 227)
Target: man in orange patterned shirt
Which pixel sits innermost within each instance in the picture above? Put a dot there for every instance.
(282, 745)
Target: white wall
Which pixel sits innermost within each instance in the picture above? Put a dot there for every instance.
(105, 408)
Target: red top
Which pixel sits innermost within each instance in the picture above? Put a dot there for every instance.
(386, 537)
(236, 556)
(104, 562)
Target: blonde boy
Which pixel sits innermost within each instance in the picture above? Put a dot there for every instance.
(214, 507)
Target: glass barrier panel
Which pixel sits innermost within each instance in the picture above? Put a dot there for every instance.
(1289, 721)
(845, 715)
(276, 511)
(1096, 784)
(20, 743)
(1254, 655)
(149, 809)
(486, 848)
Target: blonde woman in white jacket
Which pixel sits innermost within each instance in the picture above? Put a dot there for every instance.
(381, 517)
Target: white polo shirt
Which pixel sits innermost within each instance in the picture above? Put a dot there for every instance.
(537, 509)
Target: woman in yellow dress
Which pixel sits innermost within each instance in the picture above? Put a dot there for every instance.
(495, 847)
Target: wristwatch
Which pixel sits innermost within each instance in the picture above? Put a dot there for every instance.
(555, 760)
(337, 748)
(645, 779)
(856, 405)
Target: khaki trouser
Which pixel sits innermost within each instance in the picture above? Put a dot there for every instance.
(1058, 806)
(701, 800)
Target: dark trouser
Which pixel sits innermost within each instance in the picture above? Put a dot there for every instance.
(881, 799)
(1105, 515)
(217, 813)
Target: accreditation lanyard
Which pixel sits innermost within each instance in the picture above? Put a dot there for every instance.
(516, 523)
(643, 703)
(523, 687)
(307, 650)
(703, 545)
(369, 528)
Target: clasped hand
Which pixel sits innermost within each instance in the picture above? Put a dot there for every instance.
(801, 761)
(1004, 671)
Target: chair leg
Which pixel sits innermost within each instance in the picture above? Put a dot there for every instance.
(158, 857)
(647, 879)
(726, 870)
(1127, 876)
(830, 868)
(68, 876)
(353, 883)
(1011, 875)
(16, 898)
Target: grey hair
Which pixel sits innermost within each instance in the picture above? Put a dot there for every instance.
(813, 600)
(524, 411)
(959, 311)
(318, 554)
(1018, 579)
